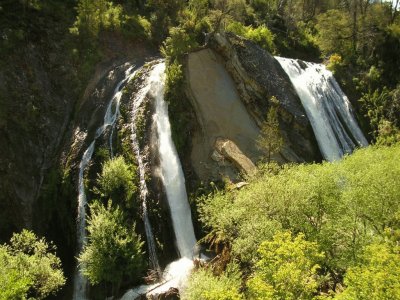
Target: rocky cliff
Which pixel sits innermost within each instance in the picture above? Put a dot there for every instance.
(230, 84)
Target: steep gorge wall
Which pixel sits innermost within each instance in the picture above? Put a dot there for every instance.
(229, 84)
(258, 77)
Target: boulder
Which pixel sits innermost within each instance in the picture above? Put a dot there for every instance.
(231, 151)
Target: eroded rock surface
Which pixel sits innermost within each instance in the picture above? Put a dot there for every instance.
(258, 77)
(220, 113)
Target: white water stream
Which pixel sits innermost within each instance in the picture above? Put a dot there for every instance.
(110, 117)
(177, 272)
(140, 96)
(327, 108)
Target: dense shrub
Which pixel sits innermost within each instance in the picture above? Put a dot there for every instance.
(341, 206)
(113, 252)
(118, 181)
(286, 269)
(203, 284)
(29, 269)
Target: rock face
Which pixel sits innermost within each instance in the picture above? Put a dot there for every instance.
(229, 84)
(220, 113)
(258, 77)
(35, 110)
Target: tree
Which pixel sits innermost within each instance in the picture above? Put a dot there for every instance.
(29, 269)
(114, 250)
(287, 269)
(94, 15)
(117, 181)
(334, 32)
(377, 277)
(270, 138)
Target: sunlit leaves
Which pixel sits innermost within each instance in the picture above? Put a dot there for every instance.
(29, 269)
(286, 269)
(114, 250)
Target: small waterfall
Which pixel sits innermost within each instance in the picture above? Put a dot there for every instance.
(172, 174)
(326, 106)
(176, 273)
(80, 282)
(110, 117)
(140, 96)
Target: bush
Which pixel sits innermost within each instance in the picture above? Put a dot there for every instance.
(94, 16)
(206, 286)
(29, 269)
(118, 181)
(341, 206)
(114, 250)
(377, 277)
(287, 269)
(177, 43)
(261, 35)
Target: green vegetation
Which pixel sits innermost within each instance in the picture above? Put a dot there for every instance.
(29, 269)
(337, 224)
(114, 250)
(339, 214)
(270, 138)
(118, 181)
(286, 269)
(205, 285)
(376, 277)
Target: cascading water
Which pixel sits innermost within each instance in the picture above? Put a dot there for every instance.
(172, 174)
(140, 96)
(326, 106)
(80, 281)
(176, 273)
(110, 118)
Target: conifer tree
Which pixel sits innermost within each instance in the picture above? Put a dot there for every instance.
(270, 138)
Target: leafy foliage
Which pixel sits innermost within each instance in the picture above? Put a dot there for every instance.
(261, 35)
(178, 43)
(114, 250)
(96, 15)
(340, 206)
(118, 181)
(334, 32)
(28, 268)
(203, 284)
(377, 277)
(287, 269)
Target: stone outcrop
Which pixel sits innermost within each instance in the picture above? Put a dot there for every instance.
(229, 84)
(258, 77)
(220, 112)
(231, 151)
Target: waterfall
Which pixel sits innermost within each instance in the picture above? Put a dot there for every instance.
(140, 96)
(80, 281)
(326, 106)
(172, 174)
(110, 118)
(176, 273)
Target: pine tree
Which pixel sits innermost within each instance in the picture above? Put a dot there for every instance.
(270, 138)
